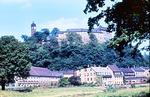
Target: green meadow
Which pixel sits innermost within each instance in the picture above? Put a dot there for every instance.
(75, 92)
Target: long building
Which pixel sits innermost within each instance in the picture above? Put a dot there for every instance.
(40, 77)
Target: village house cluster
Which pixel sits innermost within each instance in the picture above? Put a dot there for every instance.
(110, 75)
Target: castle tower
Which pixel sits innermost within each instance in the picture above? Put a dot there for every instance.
(33, 28)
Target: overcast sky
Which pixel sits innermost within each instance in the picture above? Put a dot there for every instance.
(16, 16)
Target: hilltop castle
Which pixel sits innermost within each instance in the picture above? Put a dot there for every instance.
(101, 33)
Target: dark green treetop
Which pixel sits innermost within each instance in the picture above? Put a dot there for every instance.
(129, 19)
(14, 59)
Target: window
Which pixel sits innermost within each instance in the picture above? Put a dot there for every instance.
(91, 79)
(94, 74)
(87, 79)
(87, 74)
(91, 74)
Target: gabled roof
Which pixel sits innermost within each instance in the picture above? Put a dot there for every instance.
(42, 72)
(33, 24)
(114, 68)
(138, 69)
(126, 70)
(145, 68)
(66, 72)
(100, 69)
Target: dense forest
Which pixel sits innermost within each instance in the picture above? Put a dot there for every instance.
(72, 53)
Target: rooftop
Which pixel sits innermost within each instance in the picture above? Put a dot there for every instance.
(42, 72)
(138, 69)
(100, 69)
(114, 68)
(145, 68)
(33, 24)
(126, 70)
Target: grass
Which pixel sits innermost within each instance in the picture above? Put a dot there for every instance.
(72, 92)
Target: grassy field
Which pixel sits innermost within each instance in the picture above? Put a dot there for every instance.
(72, 92)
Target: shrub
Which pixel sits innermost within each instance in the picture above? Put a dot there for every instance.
(89, 84)
(24, 90)
(110, 89)
(132, 85)
(142, 94)
(75, 80)
(63, 82)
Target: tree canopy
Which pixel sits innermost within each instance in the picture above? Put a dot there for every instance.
(14, 59)
(72, 53)
(129, 19)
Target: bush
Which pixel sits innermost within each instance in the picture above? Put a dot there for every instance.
(132, 85)
(89, 84)
(24, 90)
(110, 89)
(75, 80)
(63, 82)
(142, 94)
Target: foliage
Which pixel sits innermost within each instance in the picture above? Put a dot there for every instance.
(129, 19)
(89, 84)
(99, 80)
(71, 53)
(148, 80)
(63, 82)
(75, 80)
(14, 59)
(110, 89)
(55, 32)
(132, 85)
(24, 90)
(142, 94)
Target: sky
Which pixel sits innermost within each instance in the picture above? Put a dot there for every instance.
(16, 16)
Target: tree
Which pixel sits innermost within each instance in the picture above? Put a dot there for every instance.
(63, 82)
(75, 80)
(99, 80)
(129, 20)
(14, 60)
(74, 38)
(55, 32)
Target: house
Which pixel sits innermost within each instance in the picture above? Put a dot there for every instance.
(129, 75)
(140, 76)
(39, 76)
(91, 74)
(117, 76)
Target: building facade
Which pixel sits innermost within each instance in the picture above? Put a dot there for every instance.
(101, 34)
(117, 76)
(92, 75)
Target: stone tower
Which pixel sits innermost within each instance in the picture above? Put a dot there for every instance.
(33, 28)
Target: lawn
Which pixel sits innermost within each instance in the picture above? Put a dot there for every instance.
(72, 92)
